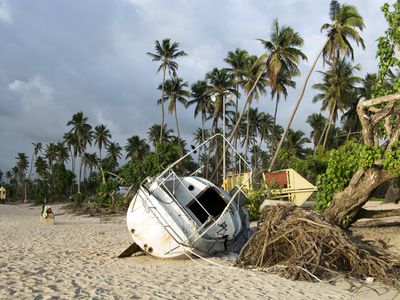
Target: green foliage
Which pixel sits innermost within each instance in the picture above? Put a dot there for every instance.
(153, 163)
(78, 198)
(344, 162)
(386, 52)
(106, 193)
(256, 197)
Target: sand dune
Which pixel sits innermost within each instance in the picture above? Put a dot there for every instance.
(76, 258)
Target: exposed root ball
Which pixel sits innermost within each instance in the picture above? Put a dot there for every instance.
(298, 244)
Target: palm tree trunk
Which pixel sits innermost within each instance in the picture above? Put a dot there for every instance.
(271, 165)
(162, 107)
(274, 140)
(329, 125)
(246, 141)
(177, 130)
(320, 138)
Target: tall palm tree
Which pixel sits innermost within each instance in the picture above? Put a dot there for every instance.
(175, 92)
(266, 127)
(153, 134)
(165, 52)
(22, 167)
(83, 131)
(338, 86)
(136, 148)
(102, 136)
(62, 154)
(345, 22)
(114, 152)
(41, 167)
(50, 153)
(221, 82)
(254, 85)
(201, 99)
(71, 141)
(237, 61)
(37, 147)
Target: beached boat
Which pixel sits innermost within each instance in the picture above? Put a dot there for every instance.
(175, 216)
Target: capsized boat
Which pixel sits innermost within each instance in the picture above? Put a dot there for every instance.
(174, 216)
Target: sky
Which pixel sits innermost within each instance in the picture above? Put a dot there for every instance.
(61, 57)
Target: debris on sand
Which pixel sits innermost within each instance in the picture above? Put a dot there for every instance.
(299, 245)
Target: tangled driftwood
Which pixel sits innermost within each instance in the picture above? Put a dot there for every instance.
(298, 244)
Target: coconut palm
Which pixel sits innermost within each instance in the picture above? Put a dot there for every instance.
(343, 28)
(338, 86)
(202, 101)
(62, 154)
(317, 121)
(50, 153)
(71, 141)
(41, 167)
(83, 132)
(114, 151)
(295, 141)
(165, 52)
(266, 125)
(102, 137)
(153, 134)
(175, 92)
(220, 83)
(37, 147)
(136, 148)
(22, 167)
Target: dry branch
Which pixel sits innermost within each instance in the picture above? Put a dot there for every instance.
(298, 244)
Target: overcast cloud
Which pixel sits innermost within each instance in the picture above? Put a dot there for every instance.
(61, 57)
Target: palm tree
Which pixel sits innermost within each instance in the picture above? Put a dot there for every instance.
(345, 22)
(254, 85)
(175, 92)
(266, 127)
(102, 136)
(317, 121)
(72, 145)
(221, 82)
(295, 141)
(37, 147)
(50, 153)
(136, 148)
(83, 131)
(153, 134)
(114, 152)
(338, 86)
(62, 154)
(41, 167)
(202, 102)
(237, 62)
(165, 52)
(22, 167)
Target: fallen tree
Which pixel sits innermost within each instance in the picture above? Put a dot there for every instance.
(376, 163)
(299, 245)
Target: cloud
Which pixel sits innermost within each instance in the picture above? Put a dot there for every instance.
(5, 14)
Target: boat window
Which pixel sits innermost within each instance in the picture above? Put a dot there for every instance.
(212, 202)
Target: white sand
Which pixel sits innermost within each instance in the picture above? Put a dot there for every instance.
(76, 258)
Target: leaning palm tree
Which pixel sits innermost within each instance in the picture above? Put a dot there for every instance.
(338, 86)
(166, 53)
(136, 148)
(83, 132)
(343, 28)
(175, 92)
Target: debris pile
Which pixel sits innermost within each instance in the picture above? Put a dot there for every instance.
(299, 245)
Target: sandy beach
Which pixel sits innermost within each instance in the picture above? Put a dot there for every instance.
(77, 258)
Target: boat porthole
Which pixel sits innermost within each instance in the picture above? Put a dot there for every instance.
(145, 246)
(132, 230)
(191, 187)
(150, 249)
